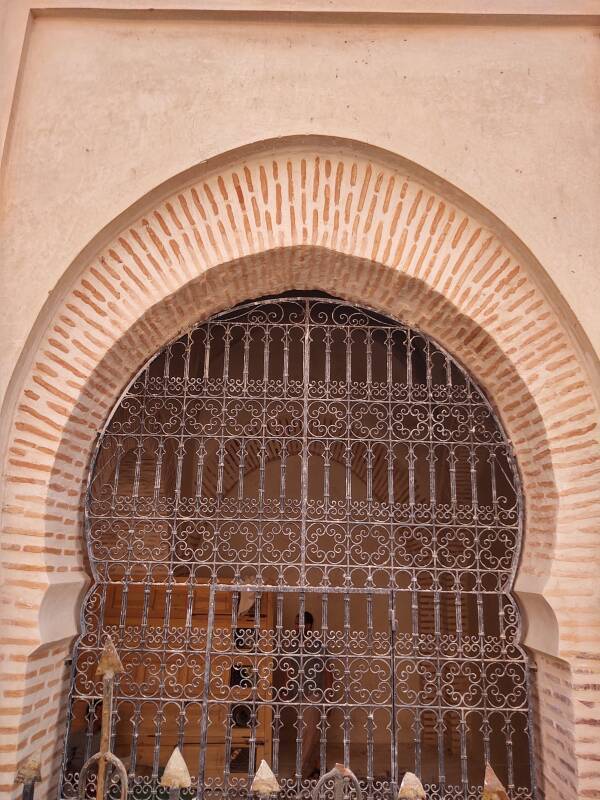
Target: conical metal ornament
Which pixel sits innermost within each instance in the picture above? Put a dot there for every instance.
(264, 782)
(411, 788)
(29, 770)
(176, 774)
(110, 663)
(492, 787)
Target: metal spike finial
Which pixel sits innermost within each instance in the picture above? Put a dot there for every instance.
(29, 770)
(492, 787)
(176, 774)
(110, 663)
(411, 788)
(265, 782)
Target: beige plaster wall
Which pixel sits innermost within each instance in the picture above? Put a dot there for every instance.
(107, 108)
(504, 108)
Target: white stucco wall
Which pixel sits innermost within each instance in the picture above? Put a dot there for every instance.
(498, 97)
(108, 108)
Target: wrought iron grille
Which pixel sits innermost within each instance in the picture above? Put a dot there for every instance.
(303, 522)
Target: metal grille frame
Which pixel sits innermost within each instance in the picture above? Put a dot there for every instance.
(306, 454)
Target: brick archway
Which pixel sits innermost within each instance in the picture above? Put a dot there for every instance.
(371, 228)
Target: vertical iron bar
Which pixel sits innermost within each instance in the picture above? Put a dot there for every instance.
(393, 688)
(325, 642)
(28, 790)
(204, 723)
(347, 674)
(254, 710)
(277, 649)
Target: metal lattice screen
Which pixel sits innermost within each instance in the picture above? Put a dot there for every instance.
(303, 521)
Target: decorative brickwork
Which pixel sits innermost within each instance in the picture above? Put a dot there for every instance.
(363, 227)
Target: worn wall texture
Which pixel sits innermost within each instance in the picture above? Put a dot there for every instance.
(459, 195)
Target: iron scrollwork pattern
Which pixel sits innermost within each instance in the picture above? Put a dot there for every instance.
(303, 523)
